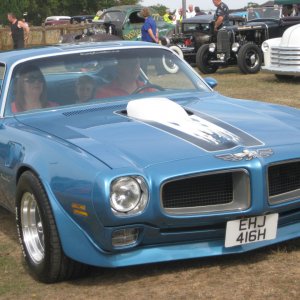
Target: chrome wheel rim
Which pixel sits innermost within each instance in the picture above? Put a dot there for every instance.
(253, 60)
(32, 228)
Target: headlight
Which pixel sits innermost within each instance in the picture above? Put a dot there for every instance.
(265, 47)
(165, 41)
(128, 195)
(212, 47)
(235, 47)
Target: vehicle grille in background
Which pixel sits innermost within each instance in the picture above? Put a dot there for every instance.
(286, 57)
(284, 182)
(209, 192)
(223, 42)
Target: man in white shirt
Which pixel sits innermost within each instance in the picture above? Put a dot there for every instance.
(190, 13)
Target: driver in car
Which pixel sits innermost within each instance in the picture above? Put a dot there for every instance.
(126, 82)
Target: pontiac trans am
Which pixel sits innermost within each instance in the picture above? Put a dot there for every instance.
(170, 170)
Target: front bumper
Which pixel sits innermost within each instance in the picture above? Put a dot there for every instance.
(188, 244)
(293, 70)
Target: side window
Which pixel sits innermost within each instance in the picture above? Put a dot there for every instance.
(135, 18)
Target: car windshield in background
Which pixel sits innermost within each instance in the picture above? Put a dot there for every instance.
(99, 76)
(196, 28)
(113, 16)
(263, 13)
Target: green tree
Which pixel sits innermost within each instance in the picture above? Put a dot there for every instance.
(161, 9)
(38, 10)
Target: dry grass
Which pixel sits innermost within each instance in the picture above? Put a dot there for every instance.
(269, 273)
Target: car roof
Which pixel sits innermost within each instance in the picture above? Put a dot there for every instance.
(123, 8)
(53, 18)
(11, 56)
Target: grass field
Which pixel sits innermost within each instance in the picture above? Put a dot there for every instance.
(269, 273)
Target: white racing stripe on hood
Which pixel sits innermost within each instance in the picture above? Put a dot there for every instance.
(169, 113)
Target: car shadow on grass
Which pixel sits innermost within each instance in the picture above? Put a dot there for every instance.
(7, 225)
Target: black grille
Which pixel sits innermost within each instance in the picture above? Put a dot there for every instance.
(284, 178)
(223, 42)
(206, 190)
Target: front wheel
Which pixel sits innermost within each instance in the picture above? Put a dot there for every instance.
(249, 59)
(203, 56)
(38, 234)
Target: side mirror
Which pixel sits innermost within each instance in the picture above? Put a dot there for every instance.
(211, 82)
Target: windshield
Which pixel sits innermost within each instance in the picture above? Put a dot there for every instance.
(263, 13)
(113, 16)
(99, 76)
(192, 27)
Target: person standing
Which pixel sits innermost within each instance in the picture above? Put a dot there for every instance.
(198, 11)
(221, 15)
(149, 29)
(150, 34)
(19, 31)
(190, 13)
(168, 17)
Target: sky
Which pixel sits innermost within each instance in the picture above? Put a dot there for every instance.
(203, 4)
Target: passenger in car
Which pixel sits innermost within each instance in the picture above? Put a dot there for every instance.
(126, 81)
(30, 90)
(85, 89)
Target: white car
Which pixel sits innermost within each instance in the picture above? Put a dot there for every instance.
(57, 20)
(282, 55)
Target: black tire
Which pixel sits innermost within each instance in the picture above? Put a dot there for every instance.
(41, 246)
(283, 77)
(249, 58)
(202, 60)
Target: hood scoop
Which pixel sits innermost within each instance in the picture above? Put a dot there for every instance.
(169, 116)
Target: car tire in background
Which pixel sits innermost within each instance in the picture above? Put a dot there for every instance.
(38, 234)
(203, 56)
(177, 50)
(168, 64)
(249, 58)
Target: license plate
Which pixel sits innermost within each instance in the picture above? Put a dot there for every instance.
(251, 230)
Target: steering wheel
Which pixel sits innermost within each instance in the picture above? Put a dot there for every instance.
(148, 86)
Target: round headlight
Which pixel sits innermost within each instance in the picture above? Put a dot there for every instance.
(165, 41)
(212, 47)
(235, 47)
(128, 195)
(265, 47)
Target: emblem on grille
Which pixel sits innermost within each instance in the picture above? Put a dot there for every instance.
(246, 155)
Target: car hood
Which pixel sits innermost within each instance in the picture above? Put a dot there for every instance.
(152, 131)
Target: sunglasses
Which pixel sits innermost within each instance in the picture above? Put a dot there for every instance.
(33, 79)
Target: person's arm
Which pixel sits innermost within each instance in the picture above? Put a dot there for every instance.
(218, 22)
(152, 35)
(26, 29)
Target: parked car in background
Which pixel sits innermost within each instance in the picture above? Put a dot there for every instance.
(149, 167)
(82, 19)
(57, 20)
(241, 44)
(194, 32)
(282, 55)
(126, 22)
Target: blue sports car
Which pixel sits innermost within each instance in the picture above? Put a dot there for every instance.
(116, 154)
